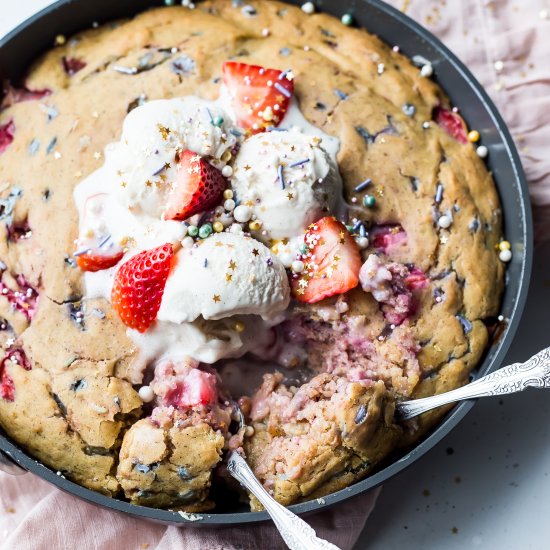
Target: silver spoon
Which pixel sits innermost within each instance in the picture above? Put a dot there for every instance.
(296, 533)
(535, 373)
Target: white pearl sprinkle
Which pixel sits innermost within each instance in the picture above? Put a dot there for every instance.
(242, 213)
(308, 7)
(505, 256)
(184, 231)
(362, 242)
(236, 229)
(227, 171)
(146, 394)
(286, 258)
(444, 222)
(482, 151)
(298, 266)
(499, 66)
(427, 70)
(229, 205)
(265, 32)
(188, 242)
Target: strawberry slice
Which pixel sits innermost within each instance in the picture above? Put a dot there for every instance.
(198, 187)
(452, 123)
(7, 387)
(97, 255)
(332, 263)
(139, 285)
(7, 133)
(260, 96)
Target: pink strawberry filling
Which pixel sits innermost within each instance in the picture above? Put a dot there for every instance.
(451, 123)
(392, 285)
(7, 387)
(184, 386)
(72, 65)
(24, 299)
(14, 95)
(7, 133)
(388, 237)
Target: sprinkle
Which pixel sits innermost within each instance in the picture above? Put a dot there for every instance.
(362, 242)
(409, 109)
(205, 263)
(104, 241)
(269, 262)
(308, 7)
(255, 226)
(297, 266)
(97, 155)
(505, 256)
(228, 194)
(499, 66)
(275, 129)
(427, 70)
(473, 136)
(183, 65)
(341, 95)
(216, 298)
(239, 326)
(235, 133)
(124, 70)
(229, 205)
(482, 151)
(192, 230)
(282, 89)
(285, 52)
(60, 40)
(363, 186)
(82, 252)
(218, 227)
(439, 194)
(33, 147)
(227, 171)
(51, 146)
(218, 121)
(187, 242)
(369, 201)
(380, 69)
(504, 245)
(57, 155)
(289, 196)
(347, 19)
(242, 213)
(281, 176)
(426, 125)
(205, 231)
(300, 163)
(444, 222)
(266, 32)
(146, 394)
(355, 227)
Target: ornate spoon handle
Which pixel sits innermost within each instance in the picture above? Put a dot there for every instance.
(533, 373)
(297, 534)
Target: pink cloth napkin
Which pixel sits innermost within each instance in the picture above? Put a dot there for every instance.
(505, 44)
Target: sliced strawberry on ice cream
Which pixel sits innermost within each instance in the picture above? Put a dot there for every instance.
(331, 264)
(98, 255)
(199, 186)
(452, 123)
(260, 96)
(139, 285)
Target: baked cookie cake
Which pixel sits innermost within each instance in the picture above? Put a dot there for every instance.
(235, 203)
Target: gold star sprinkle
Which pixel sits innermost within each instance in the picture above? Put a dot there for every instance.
(289, 196)
(97, 155)
(247, 168)
(228, 277)
(216, 298)
(164, 132)
(123, 184)
(300, 291)
(256, 252)
(219, 243)
(167, 165)
(149, 183)
(303, 283)
(232, 265)
(342, 237)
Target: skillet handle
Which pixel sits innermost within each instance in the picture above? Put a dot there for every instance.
(9, 466)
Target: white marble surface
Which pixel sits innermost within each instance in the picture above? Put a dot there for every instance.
(493, 491)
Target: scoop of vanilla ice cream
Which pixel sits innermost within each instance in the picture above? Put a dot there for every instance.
(288, 180)
(225, 275)
(145, 158)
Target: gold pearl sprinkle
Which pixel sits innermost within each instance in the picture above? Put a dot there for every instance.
(60, 40)
(473, 136)
(504, 245)
(218, 227)
(254, 226)
(228, 194)
(239, 326)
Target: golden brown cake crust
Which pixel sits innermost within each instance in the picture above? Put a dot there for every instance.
(75, 402)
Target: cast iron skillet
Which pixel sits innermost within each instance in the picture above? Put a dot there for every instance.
(29, 40)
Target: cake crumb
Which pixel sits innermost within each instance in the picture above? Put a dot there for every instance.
(190, 517)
